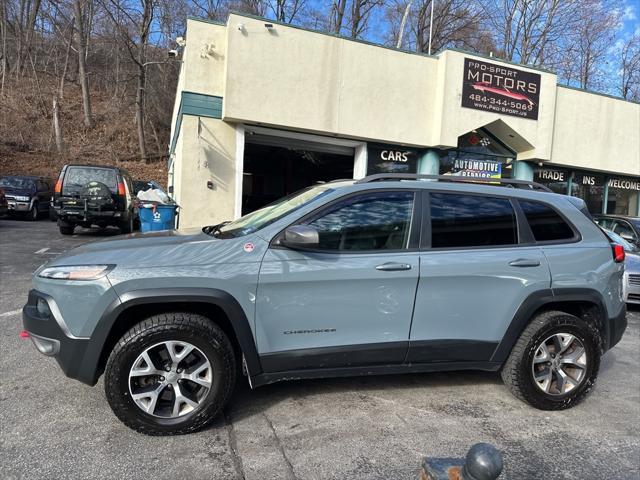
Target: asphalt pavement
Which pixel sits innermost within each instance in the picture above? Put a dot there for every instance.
(355, 428)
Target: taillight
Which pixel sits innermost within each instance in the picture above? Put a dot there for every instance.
(58, 187)
(121, 190)
(618, 252)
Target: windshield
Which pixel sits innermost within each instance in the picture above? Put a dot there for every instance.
(635, 222)
(17, 183)
(266, 215)
(628, 247)
(77, 177)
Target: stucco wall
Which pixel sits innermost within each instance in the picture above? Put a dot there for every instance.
(315, 82)
(204, 57)
(596, 132)
(207, 154)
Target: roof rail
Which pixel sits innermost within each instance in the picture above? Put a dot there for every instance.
(379, 177)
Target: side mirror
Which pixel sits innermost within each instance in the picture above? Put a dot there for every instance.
(300, 236)
(628, 237)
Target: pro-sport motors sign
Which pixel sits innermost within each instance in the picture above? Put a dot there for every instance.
(500, 89)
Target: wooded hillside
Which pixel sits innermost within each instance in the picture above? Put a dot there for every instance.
(90, 81)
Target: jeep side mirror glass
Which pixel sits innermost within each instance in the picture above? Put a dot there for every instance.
(300, 236)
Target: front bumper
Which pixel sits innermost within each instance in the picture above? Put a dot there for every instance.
(51, 337)
(16, 206)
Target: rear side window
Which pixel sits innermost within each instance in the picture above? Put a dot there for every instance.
(546, 224)
(77, 177)
(471, 221)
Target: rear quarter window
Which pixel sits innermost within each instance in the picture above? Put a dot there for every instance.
(546, 224)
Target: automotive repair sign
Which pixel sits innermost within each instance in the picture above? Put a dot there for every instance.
(500, 89)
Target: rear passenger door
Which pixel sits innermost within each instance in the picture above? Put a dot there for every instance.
(477, 266)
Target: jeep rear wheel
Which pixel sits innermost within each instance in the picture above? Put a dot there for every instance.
(170, 374)
(555, 362)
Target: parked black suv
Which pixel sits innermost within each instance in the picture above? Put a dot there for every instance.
(89, 195)
(27, 196)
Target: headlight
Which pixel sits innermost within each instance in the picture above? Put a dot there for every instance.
(21, 198)
(76, 272)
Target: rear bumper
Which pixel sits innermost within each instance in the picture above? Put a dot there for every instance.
(617, 326)
(75, 355)
(79, 216)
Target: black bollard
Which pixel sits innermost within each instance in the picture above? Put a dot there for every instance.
(483, 462)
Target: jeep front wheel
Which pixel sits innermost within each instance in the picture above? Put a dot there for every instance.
(170, 374)
(555, 362)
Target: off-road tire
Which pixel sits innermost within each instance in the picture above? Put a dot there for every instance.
(517, 370)
(188, 327)
(126, 226)
(33, 214)
(66, 228)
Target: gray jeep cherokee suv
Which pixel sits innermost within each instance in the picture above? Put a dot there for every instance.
(389, 274)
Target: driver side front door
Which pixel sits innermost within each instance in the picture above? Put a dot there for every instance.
(349, 302)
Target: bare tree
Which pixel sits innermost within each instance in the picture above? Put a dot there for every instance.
(286, 10)
(361, 11)
(81, 43)
(25, 25)
(336, 16)
(592, 41)
(57, 129)
(3, 38)
(456, 23)
(134, 26)
(524, 29)
(630, 68)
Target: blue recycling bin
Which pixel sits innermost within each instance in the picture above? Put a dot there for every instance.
(158, 217)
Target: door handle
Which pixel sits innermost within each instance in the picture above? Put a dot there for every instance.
(393, 267)
(525, 262)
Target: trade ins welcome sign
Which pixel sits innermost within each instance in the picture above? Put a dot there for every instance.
(500, 89)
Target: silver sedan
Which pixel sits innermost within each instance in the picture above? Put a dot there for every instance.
(631, 285)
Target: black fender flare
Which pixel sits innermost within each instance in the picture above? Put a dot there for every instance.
(538, 300)
(212, 296)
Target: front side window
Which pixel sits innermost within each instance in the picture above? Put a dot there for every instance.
(367, 222)
(471, 221)
(546, 224)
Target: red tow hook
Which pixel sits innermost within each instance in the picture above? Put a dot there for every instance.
(24, 334)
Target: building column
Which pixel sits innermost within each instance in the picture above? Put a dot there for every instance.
(429, 163)
(605, 195)
(523, 171)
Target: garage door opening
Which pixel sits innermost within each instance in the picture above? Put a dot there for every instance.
(275, 167)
